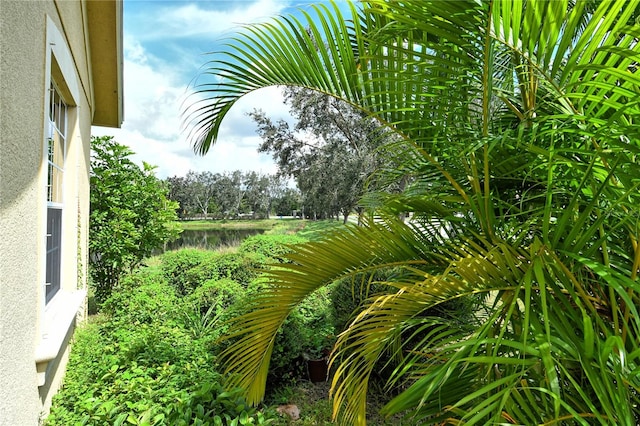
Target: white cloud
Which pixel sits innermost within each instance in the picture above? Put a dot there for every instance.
(156, 84)
(196, 20)
(153, 98)
(269, 99)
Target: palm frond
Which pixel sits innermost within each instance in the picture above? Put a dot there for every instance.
(518, 154)
(283, 52)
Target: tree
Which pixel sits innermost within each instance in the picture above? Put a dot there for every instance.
(202, 190)
(286, 201)
(130, 214)
(180, 192)
(258, 193)
(331, 151)
(224, 195)
(230, 193)
(519, 129)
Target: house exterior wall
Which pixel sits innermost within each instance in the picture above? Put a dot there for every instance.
(41, 41)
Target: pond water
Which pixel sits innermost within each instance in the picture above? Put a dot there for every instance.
(211, 239)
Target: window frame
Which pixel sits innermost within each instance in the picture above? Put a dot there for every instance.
(61, 74)
(57, 315)
(57, 146)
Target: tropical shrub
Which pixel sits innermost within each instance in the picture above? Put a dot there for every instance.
(308, 333)
(143, 297)
(221, 294)
(240, 267)
(130, 214)
(176, 264)
(517, 129)
(213, 303)
(187, 269)
(349, 295)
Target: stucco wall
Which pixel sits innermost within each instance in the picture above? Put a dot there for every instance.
(23, 84)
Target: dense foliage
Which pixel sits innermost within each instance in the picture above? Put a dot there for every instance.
(519, 134)
(130, 214)
(150, 357)
(147, 362)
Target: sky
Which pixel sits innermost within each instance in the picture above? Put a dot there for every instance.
(165, 48)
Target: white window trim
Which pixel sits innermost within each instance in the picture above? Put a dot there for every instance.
(58, 316)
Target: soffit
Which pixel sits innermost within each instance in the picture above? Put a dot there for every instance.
(104, 20)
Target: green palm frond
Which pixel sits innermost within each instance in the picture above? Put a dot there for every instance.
(554, 366)
(350, 252)
(283, 52)
(518, 154)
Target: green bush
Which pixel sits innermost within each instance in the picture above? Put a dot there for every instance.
(150, 357)
(137, 374)
(318, 324)
(287, 362)
(307, 333)
(176, 264)
(271, 247)
(240, 267)
(219, 293)
(211, 304)
(188, 269)
(130, 214)
(142, 363)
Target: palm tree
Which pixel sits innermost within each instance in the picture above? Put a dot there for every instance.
(519, 129)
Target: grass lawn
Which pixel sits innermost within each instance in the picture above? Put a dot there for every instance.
(266, 224)
(307, 228)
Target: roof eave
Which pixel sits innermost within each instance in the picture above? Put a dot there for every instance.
(104, 19)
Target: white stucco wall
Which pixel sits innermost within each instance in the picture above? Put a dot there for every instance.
(30, 33)
(21, 82)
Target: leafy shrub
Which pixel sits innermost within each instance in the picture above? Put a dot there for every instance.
(175, 264)
(211, 304)
(143, 297)
(271, 247)
(211, 405)
(240, 267)
(130, 214)
(287, 363)
(221, 294)
(168, 394)
(132, 375)
(307, 333)
(188, 269)
(141, 364)
(318, 323)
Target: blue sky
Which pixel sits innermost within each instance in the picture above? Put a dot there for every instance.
(165, 46)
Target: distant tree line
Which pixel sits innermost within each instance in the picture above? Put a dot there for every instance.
(232, 195)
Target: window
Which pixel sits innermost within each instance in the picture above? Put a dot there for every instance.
(56, 145)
